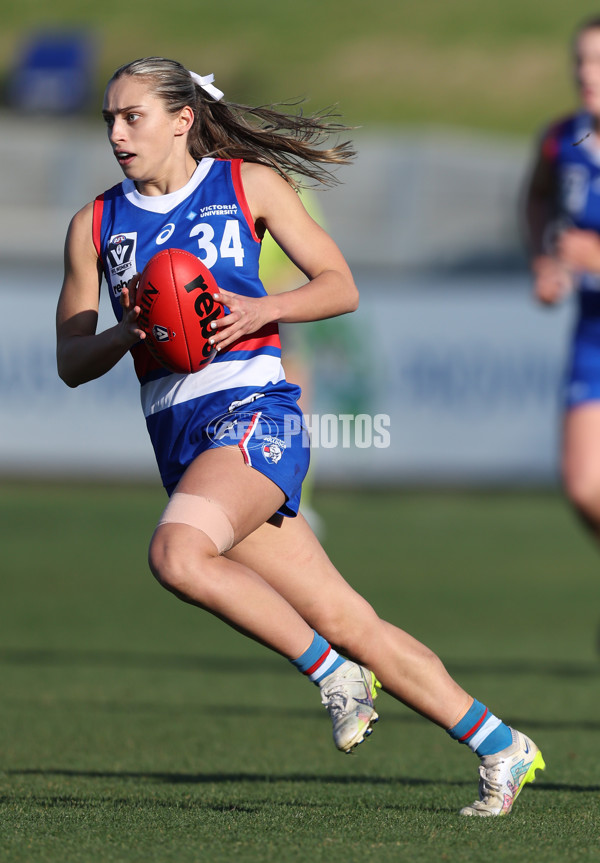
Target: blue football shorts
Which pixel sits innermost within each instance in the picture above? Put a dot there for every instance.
(582, 380)
(272, 438)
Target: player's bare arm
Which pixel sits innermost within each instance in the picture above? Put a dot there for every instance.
(552, 280)
(330, 291)
(82, 354)
(580, 250)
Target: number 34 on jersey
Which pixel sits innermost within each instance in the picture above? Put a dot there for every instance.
(210, 247)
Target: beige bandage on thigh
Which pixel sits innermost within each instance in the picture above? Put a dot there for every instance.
(203, 514)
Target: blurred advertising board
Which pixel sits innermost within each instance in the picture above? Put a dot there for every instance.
(436, 380)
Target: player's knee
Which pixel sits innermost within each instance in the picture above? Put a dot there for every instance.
(191, 532)
(166, 564)
(180, 567)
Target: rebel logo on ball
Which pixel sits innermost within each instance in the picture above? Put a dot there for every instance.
(177, 308)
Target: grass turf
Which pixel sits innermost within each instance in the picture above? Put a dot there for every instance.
(136, 728)
(502, 67)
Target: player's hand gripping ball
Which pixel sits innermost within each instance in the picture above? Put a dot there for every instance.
(175, 295)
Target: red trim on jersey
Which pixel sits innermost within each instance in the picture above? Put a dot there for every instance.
(143, 361)
(550, 146)
(267, 336)
(236, 176)
(475, 727)
(319, 661)
(97, 222)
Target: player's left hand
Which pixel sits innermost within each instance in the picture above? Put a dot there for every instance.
(246, 315)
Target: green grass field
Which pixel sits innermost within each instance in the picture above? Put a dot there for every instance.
(482, 64)
(136, 728)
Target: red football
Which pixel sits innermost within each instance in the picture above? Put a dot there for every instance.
(175, 294)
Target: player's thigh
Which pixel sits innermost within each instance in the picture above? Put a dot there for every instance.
(291, 559)
(247, 497)
(581, 449)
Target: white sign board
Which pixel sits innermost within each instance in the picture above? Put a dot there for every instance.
(427, 382)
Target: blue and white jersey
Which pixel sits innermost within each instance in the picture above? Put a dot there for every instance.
(210, 218)
(570, 146)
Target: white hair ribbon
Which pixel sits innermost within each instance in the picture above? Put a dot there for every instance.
(206, 82)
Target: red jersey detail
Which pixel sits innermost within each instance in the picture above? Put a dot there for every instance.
(236, 176)
(267, 336)
(550, 147)
(97, 222)
(551, 140)
(143, 361)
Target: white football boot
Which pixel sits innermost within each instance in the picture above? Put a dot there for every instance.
(348, 694)
(503, 775)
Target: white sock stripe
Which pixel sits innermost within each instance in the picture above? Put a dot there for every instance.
(490, 724)
(324, 666)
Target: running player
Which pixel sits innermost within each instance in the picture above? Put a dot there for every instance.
(229, 440)
(563, 223)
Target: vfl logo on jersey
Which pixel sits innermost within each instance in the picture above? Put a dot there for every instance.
(120, 255)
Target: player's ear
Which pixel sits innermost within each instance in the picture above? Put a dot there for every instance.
(184, 121)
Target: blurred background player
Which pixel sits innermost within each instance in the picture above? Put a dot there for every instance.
(562, 214)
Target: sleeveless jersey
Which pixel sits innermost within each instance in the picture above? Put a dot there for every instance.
(569, 146)
(210, 218)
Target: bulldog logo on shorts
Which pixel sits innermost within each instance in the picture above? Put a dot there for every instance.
(273, 450)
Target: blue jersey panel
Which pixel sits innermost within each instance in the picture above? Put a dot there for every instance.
(569, 145)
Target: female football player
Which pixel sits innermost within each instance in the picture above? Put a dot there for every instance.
(563, 222)
(212, 177)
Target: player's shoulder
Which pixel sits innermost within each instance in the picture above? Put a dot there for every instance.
(257, 174)
(266, 190)
(559, 133)
(564, 128)
(82, 219)
(564, 122)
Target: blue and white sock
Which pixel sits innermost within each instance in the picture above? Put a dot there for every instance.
(319, 660)
(482, 732)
